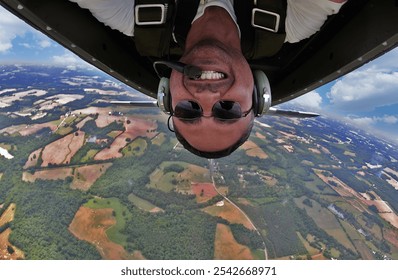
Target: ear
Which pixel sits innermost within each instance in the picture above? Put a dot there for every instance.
(262, 91)
(164, 97)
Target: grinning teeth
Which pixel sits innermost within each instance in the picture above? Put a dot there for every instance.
(211, 75)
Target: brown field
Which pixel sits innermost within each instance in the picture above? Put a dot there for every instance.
(85, 176)
(260, 136)
(226, 247)
(92, 110)
(32, 159)
(230, 213)
(391, 236)
(8, 214)
(315, 151)
(25, 130)
(203, 191)
(253, 150)
(48, 174)
(91, 225)
(136, 127)
(392, 218)
(62, 150)
(5, 245)
(319, 257)
(105, 120)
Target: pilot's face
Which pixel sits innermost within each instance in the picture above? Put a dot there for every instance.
(229, 78)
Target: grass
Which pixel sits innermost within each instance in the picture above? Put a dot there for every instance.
(165, 182)
(121, 214)
(311, 250)
(141, 203)
(326, 220)
(312, 185)
(159, 139)
(135, 148)
(89, 156)
(114, 134)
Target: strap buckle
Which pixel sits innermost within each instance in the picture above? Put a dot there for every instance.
(150, 14)
(266, 20)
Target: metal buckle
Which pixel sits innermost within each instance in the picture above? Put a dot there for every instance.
(276, 19)
(162, 14)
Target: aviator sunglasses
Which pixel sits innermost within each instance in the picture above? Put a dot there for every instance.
(188, 110)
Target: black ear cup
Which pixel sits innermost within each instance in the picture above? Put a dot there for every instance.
(164, 96)
(262, 93)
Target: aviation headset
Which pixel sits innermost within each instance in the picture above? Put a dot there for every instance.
(261, 97)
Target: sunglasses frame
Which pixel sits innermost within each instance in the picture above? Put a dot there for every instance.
(242, 115)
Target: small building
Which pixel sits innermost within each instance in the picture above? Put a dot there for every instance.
(220, 203)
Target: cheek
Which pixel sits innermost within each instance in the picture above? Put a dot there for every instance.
(177, 90)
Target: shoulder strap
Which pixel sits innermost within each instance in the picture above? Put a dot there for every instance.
(154, 21)
(186, 11)
(262, 24)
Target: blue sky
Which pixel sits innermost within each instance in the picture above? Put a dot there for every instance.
(366, 97)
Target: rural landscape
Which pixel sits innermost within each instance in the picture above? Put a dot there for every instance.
(81, 179)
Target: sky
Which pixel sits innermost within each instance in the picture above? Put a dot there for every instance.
(366, 97)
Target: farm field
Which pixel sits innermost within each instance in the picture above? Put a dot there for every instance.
(226, 247)
(88, 180)
(7, 250)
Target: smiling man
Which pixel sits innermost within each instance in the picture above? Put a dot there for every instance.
(213, 111)
(226, 84)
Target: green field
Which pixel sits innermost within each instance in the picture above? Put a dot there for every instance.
(121, 213)
(135, 148)
(141, 203)
(326, 220)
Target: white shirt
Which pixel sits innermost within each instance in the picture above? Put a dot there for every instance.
(303, 17)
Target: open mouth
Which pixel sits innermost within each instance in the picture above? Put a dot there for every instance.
(211, 75)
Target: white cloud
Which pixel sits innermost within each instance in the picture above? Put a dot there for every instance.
(11, 27)
(44, 43)
(365, 90)
(70, 61)
(388, 119)
(363, 122)
(25, 45)
(373, 121)
(311, 100)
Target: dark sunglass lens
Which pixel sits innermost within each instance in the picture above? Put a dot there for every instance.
(227, 110)
(187, 110)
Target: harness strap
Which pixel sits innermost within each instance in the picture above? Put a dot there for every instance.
(154, 20)
(262, 24)
(186, 12)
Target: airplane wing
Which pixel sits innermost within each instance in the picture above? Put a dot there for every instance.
(360, 32)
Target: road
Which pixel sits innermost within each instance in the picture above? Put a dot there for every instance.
(211, 161)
